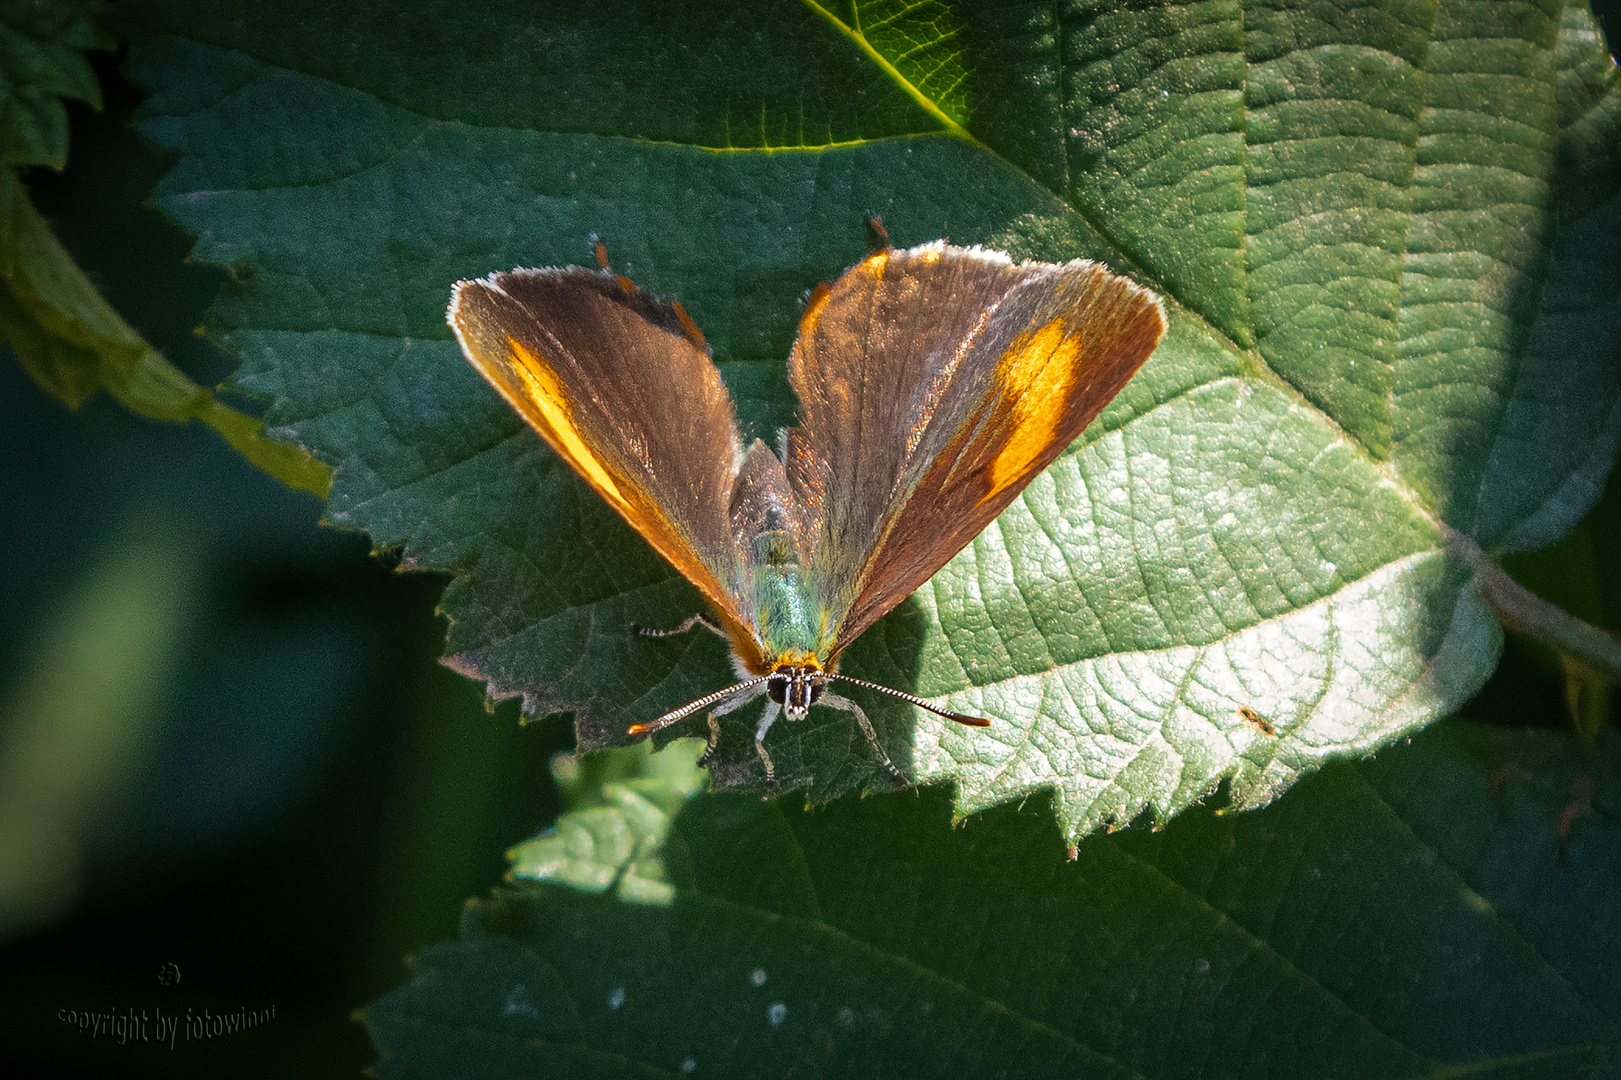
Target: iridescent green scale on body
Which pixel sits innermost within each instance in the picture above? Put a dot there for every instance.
(788, 616)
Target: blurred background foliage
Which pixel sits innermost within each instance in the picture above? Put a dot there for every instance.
(225, 743)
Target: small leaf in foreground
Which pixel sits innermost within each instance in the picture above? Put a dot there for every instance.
(613, 837)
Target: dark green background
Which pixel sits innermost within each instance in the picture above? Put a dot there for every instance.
(323, 795)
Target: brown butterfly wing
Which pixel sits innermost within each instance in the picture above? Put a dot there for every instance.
(621, 386)
(934, 384)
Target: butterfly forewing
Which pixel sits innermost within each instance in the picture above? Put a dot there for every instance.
(621, 386)
(934, 384)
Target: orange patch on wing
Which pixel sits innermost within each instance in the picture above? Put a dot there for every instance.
(555, 413)
(1035, 376)
(547, 407)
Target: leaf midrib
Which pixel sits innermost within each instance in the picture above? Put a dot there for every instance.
(922, 100)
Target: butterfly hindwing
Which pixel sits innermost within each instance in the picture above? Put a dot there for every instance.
(934, 383)
(622, 387)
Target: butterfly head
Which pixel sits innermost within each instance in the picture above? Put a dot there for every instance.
(796, 687)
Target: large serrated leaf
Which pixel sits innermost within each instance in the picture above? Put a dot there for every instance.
(1385, 234)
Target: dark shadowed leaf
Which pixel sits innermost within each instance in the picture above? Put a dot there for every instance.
(1445, 910)
(42, 62)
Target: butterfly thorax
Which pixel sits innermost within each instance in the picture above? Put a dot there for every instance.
(775, 589)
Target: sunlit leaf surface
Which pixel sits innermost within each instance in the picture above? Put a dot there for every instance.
(1387, 235)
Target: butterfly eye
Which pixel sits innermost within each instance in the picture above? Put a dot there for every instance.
(815, 692)
(776, 689)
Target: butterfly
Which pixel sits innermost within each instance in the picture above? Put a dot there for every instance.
(934, 384)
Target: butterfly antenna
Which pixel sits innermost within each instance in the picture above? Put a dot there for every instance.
(961, 718)
(696, 706)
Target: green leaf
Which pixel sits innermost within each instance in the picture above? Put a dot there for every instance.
(613, 837)
(56, 323)
(1386, 233)
(73, 343)
(42, 44)
(1444, 910)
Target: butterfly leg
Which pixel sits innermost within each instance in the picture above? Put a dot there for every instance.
(736, 702)
(714, 740)
(844, 703)
(769, 718)
(700, 619)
